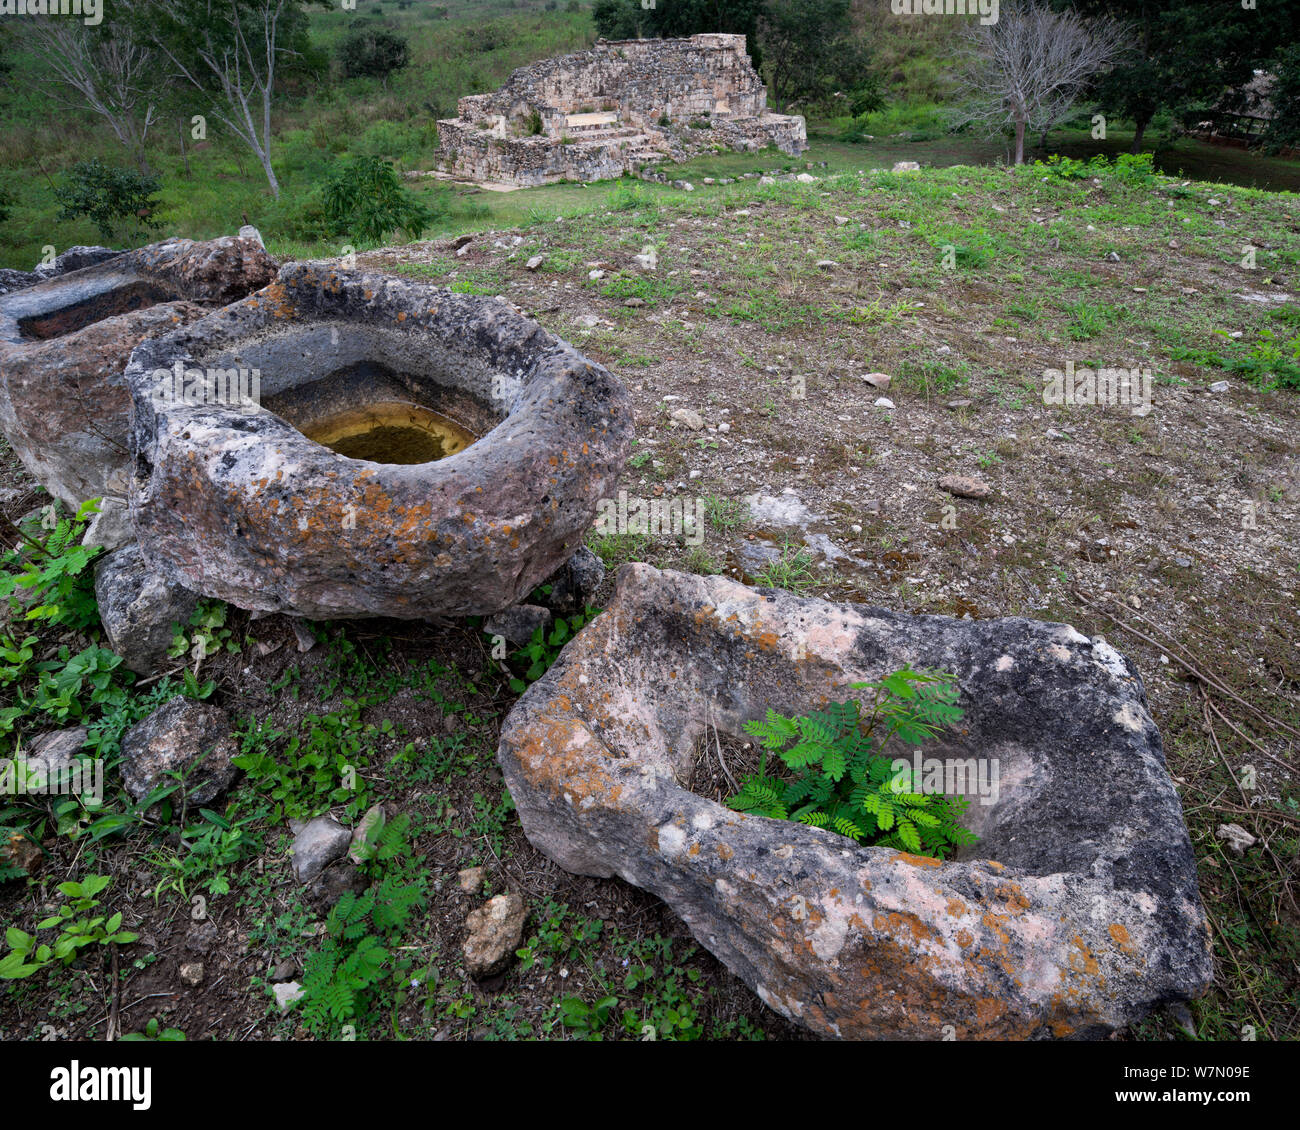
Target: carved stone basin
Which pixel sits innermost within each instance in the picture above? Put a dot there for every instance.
(1075, 913)
(64, 342)
(368, 446)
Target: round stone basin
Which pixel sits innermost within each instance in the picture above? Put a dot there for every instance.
(346, 444)
(1075, 913)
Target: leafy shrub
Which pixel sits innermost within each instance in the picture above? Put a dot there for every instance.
(365, 198)
(394, 140)
(115, 199)
(841, 780)
(373, 53)
(1137, 170)
(1273, 361)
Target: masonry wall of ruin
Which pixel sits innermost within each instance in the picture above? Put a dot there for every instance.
(605, 112)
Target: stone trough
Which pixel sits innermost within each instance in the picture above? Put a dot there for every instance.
(1076, 912)
(64, 343)
(346, 444)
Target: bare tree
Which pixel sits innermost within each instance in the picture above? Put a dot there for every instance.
(109, 69)
(1030, 68)
(229, 50)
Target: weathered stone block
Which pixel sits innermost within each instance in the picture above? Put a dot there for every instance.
(1076, 913)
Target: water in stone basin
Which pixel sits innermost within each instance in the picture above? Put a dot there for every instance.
(367, 411)
(391, 432)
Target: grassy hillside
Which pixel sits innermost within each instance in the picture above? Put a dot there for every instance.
(462, 47)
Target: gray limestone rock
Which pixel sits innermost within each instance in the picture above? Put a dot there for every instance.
(1075, 913)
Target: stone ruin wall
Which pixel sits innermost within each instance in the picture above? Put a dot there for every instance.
(705, 77)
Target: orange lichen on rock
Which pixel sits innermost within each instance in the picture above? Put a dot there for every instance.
(1083, 962)
(915, 860)
(1120, 935)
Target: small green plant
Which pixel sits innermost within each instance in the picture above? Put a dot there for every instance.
(205, 853)
(318, 768)
(53, 571)
(341, 976)
(587, 1019)
(536, 656)
(840, 778)
(15, 658)
(792, 570)
(79, 928)
(153, 1031)
(725, 513)
(207, 633)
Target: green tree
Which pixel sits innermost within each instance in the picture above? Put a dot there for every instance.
(1284, 130)
(812, 53)
(374, 53)
(1187, 54)
(117, 200)
(668, 19)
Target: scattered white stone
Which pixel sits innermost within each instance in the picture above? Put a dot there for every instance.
(881, 381)
(596, 275)
(688, 418)
(806, 178)
(287, 994)
(1219, 386)
(906, 167)
(1236, 837)
(840, 221)
(535, 262)
(883, 402)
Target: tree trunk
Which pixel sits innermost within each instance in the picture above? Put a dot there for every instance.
(1140, 128)
(185, 156)
(1020, 141)
(265, 158)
